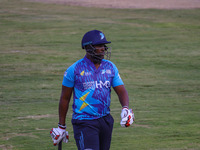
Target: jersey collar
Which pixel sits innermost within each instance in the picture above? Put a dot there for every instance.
(89, 62)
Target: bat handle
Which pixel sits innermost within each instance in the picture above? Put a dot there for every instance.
(60, 146)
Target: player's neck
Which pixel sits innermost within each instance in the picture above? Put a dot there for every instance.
(97, 65)
(91, 59)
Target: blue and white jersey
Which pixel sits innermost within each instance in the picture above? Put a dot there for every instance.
(92, 87)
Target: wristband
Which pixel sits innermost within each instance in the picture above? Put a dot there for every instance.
(61, 126)
(125, 107)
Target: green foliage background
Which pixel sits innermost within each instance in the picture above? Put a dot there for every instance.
(156, 51)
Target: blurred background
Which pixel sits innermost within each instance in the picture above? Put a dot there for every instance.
(155, 45)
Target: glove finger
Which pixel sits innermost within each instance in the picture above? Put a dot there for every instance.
(65, 140)
(122, 123)
(66, 132)
(66, 137)
(133, 117)
(124, 119)
(53, 133)
(55, 142)
(129, 121)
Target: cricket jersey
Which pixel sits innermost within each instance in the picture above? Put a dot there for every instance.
(92, 87)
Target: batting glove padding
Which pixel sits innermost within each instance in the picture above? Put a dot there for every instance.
(127, 117)
(59, 134)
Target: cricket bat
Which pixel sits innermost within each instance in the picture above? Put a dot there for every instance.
(60, 146)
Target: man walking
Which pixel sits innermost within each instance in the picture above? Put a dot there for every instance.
(90, 80)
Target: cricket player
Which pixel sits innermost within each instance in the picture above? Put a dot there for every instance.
(90, 80)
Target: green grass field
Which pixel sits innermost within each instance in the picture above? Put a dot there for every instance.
(156, 51)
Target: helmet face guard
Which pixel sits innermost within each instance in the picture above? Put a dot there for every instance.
(97, 57)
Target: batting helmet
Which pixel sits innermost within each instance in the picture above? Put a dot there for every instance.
(94, 37)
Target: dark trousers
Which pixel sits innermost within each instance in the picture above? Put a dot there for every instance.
(93, 134)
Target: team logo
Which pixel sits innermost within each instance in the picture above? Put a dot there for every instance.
(83, 99)
(103, 72)
(102, 36)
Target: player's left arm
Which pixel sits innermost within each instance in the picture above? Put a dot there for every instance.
(122, 95)
(127, 115)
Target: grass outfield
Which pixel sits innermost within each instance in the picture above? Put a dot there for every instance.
(156, 51)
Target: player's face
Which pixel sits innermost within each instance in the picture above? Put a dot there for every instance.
(99, 50)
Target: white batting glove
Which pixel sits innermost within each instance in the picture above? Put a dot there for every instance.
(66, 138)
(59, 134)
(127, 117)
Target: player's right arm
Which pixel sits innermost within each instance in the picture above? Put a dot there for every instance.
(64, 103)
(60, 133)
(67, 88)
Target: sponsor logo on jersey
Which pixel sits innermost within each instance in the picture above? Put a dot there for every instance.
(106, 84)
(65, 74)
(83, 73)
(96, 84)
(119, 76)
(108, 71)
(88, 73)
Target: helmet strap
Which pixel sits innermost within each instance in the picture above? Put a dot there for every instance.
(95, 59)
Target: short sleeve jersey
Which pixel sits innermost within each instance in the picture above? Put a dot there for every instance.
(92, 87)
